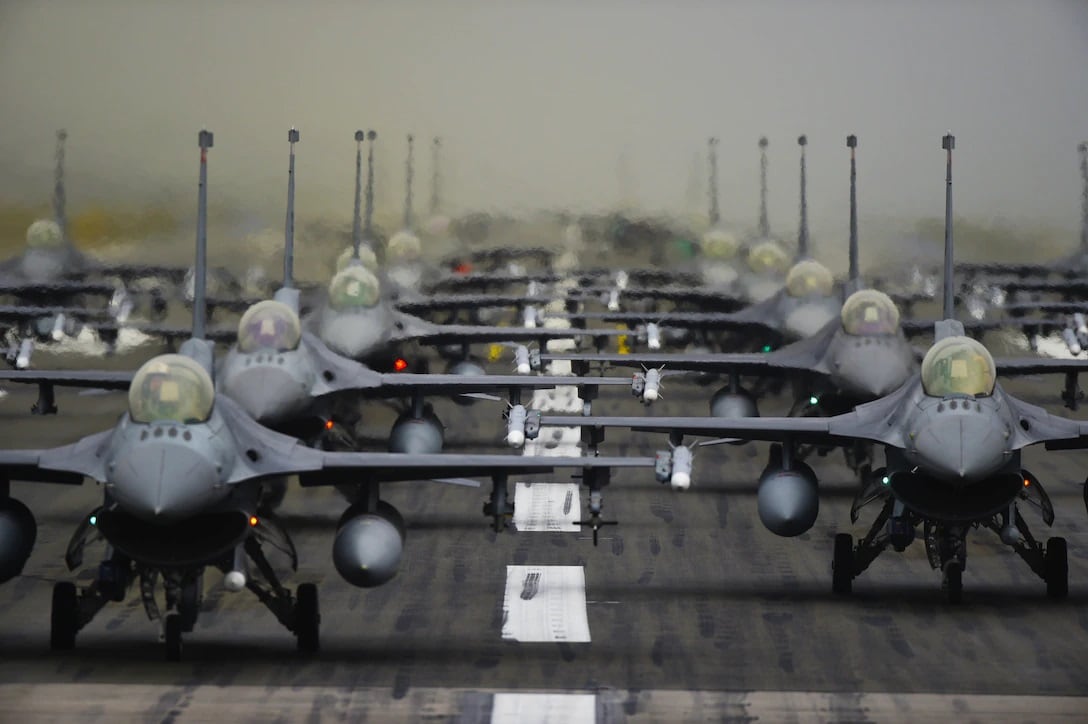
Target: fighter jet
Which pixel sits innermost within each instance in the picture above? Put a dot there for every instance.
(184, 460)
(952, 439)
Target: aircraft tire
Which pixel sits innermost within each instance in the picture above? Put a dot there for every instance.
(307, 618)
(1056, 568)
(954, 582)
(64, 617)
(172, 626)
(842, 565)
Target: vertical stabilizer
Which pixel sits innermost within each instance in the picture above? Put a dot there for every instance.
(802, 232)
(712, 158)
(855, 272)
(289, 225)
(408, 175)
(948, 143)
(764, 225)
(368, 219)
(200, 272)
(356, 219)
(59, 198)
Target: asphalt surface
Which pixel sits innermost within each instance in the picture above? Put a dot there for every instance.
(696, 611)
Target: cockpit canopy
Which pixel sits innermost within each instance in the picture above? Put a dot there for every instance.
(367, 258)
(868, 311)
(171, 387)
(269, 325)
(768, 256)
(354, 287)
(44, 234)
(809, 277)
(404, 246)
(720, 244)
(958, 366)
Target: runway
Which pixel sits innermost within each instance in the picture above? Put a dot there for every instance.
(694, 611)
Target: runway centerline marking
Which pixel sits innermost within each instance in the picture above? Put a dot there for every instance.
(544, 708)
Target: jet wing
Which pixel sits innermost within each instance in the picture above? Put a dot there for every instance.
(20, 313)
(271, 453)
(1018, 366)
(872, 422)
(453, 302)
(700, 320)
(409, 328)
(97, 379)
(68, 464)
(59, 288)
(745, 364)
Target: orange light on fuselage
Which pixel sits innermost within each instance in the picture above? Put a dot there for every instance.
(253, 521)
(400, 364)
(329, 424)
(1026, 482)
(462, 268)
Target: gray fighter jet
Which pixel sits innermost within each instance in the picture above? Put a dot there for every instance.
(183, 472)
(952, 439)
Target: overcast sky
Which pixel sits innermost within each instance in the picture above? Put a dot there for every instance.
(562, 103)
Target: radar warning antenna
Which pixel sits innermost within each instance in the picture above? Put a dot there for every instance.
(802, 234)
(712, 157)
(59, 198)
(764, 225)
(289, 225)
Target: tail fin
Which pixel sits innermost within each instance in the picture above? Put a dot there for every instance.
(802, 233)
(408, 174)
(855, 273)
(289, 227)
(200, 272)
(712, 158)
(948, 143)
(368, 219)
(764, 225)
(59, 198)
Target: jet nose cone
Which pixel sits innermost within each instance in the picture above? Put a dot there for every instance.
(963, 448)
(162, 482)
(870, 371)
(268, 393)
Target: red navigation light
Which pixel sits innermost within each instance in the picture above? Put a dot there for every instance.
(462, 267)
(329, 424)
(400, 364)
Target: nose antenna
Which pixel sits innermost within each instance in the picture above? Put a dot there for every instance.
(368, 221)
(408, 175)
(948, 143)
(1083, 148)
(855, 273)
(436, 146)
(205, 139)
(764, 225)
(356, 223)
(58, 185)
(712, 159)
(802, 233)
(289, 226)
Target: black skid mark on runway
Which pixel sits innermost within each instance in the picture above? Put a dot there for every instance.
(460, 571)
(630, 704)
(402, 681)
(776, 625)
(655, 546)
(895, 634)
(177, 701)
(560, 541)
(489, 658)
(646, 577)
(617, 545)
(664, 512)
(354, 600)
(566, 651)
(123, 615)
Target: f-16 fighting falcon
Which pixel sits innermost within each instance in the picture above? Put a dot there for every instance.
(183, 474)
(952, 439)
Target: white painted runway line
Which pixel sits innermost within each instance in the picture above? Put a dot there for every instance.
(547, 507)
(545, 604)
(544, 709)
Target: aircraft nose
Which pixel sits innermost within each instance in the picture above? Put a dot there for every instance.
(963, 448)
(162, 482)
(871, 371)
(268, 393)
